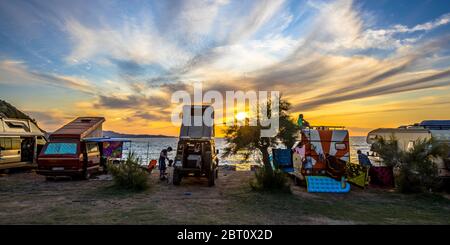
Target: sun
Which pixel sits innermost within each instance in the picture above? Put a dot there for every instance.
(241, 116)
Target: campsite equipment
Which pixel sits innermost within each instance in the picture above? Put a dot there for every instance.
(326, 184)
(358, 175)
(151, 165)
(70, 153)
(439, 130)
(196, 152)
(282, 159)
(382, 177)
(21, 140)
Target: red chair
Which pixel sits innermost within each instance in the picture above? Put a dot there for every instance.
(151, 165)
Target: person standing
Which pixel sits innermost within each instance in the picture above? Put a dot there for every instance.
(162, 162)
(363, 159)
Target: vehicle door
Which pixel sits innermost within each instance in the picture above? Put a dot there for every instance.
(93, 154)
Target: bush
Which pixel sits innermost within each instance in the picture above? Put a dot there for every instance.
(269, 181)
(129, 175)
(417, 170)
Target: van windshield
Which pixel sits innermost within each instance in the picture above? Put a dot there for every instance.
(61, 148)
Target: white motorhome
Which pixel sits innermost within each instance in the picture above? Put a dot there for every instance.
(20, 142)
(439, 130)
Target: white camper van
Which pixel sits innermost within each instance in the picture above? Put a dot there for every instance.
(20, 142)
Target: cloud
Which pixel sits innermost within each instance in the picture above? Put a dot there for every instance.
(424, 82)
(16, 72)
(135, 42)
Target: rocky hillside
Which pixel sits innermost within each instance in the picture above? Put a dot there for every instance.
(8, 110)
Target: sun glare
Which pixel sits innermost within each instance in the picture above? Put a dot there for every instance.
(241, 116)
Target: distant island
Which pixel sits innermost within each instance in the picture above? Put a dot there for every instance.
(113, 134)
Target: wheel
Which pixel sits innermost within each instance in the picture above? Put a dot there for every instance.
(85, 175)
(211, 177)
(217, 173)
(176, 177)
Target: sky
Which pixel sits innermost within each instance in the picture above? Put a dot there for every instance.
(359, 64)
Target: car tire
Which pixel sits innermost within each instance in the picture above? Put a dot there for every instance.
(211, 178)
(85, 175)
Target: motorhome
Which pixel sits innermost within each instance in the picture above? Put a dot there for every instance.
(20, 142)
(70, 151)
(406, 136)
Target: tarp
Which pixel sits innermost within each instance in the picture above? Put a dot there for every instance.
(358, 175)
(112, 149)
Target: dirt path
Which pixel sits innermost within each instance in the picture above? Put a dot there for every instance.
(27, 198)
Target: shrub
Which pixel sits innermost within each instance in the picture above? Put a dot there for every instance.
(417, 170)
(129, 175)
(269, 181)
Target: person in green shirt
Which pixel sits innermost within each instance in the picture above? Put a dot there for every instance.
(302, 123)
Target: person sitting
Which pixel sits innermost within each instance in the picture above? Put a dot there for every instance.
(363, 159)
(162, 162)
(302, 123)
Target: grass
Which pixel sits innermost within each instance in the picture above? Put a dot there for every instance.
(28, 199)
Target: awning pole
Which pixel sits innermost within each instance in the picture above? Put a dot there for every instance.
(148, 148)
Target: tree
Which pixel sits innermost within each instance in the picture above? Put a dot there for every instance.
(417, 166)
(248, 138)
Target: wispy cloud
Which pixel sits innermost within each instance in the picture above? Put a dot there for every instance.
(16, 72)
(319, 54)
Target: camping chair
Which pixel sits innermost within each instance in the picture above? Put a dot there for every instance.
(336, 168)
(151, 165)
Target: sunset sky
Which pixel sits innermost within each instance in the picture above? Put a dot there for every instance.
(360, 64)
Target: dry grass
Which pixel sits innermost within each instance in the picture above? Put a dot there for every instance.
(28, 199)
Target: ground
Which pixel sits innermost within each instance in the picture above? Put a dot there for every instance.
(27, 198)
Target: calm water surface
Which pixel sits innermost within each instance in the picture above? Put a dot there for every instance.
(149, 148)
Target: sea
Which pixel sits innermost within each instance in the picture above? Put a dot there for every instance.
(147, 149)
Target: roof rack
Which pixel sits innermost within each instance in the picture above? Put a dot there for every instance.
(326, 127)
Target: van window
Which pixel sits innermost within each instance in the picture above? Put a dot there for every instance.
(16, 144)
(340, 146)
(61, 148)
(5, 143)
(93, 147)
(410, 145)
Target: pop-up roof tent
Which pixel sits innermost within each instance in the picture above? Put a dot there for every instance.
(198, 122)
(19, 127)
(80, 128)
